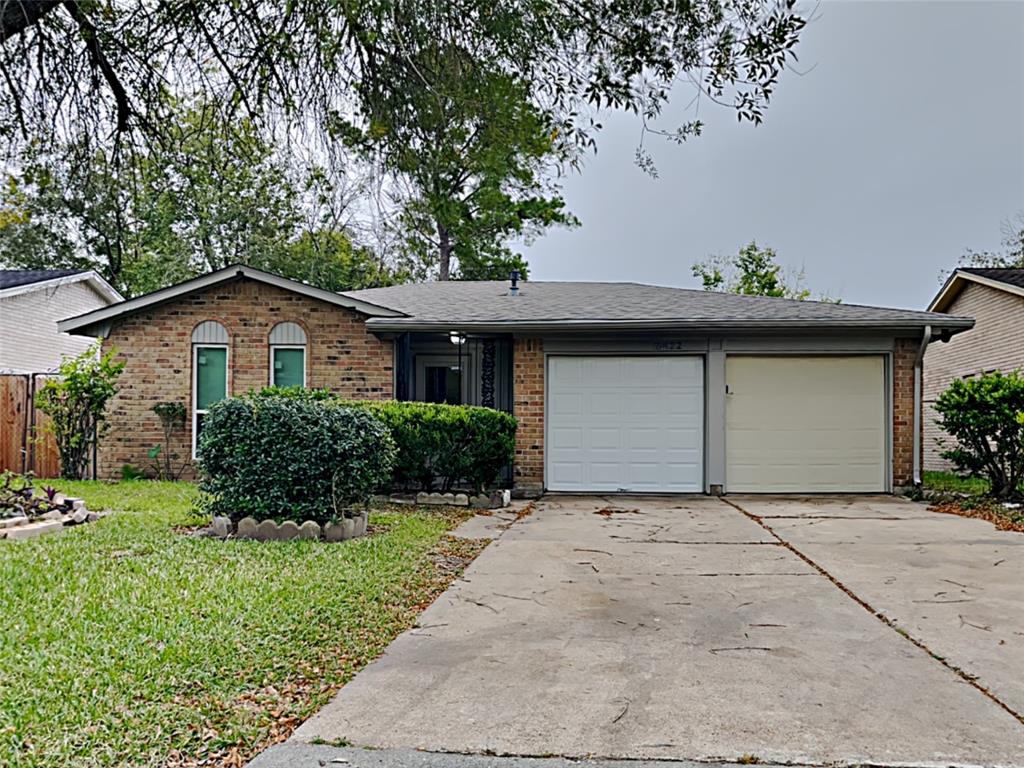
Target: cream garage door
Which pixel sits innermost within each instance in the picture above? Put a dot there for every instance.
(812, 424)
(625, 424)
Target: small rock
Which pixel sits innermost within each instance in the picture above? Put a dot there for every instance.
(461, 500)
(79, 516)
(287, 530)
(334, 532)
(32, 530)
(266, 531)
(76, 503)
(247, 528)
(221, 526)
(309, 530)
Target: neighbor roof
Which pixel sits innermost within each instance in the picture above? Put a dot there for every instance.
(487, 305)
(92, 323)
(1008, 279)
(12, 278)
(17, 281)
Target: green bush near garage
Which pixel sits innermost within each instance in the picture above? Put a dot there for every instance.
(282, 458)
(437, 445)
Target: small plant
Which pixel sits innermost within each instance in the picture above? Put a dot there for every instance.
(18, 497)
(985, 417)
(76, 402)
(172, 419)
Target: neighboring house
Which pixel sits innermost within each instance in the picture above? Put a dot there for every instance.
(31, 303)
(995, 299)
(616, 386)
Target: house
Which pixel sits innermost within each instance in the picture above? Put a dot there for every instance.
(31, 303)
(995, 298)
(616, 386)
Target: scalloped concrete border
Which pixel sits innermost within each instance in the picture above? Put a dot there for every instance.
(268, 530)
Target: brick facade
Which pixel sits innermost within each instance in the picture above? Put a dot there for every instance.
(156, 346)
(904, 353)
(528, 408)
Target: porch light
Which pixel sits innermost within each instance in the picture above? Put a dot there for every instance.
(456, 338)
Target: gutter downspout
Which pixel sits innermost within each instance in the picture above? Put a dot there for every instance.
(926, 337)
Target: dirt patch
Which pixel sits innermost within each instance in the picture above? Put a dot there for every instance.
(1002, 518)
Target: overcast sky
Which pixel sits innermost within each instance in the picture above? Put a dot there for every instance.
(901, 146)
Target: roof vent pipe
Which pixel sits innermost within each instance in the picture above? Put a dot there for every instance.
(513, 278)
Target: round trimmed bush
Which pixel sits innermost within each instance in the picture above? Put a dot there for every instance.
(282, 458)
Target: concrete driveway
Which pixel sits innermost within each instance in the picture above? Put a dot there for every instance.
(858, 630)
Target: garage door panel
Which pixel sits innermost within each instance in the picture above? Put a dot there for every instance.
(805, 424)
(639, 423)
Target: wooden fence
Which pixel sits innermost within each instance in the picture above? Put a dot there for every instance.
(25, 444)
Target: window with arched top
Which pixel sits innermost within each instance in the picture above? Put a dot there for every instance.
(209, 372)
(287, 355)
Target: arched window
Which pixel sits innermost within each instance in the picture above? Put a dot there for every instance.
(209, 372)
(287, 355)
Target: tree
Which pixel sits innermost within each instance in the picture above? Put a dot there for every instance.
(102, 72)
(76, 400)
(328, 259)
(216, 196)
(753, 271)
(473, 151)
(1012, 254)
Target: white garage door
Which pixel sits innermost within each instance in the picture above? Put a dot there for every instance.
(625, 424)
(805, 424)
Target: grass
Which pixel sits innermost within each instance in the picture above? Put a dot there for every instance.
(947, 482)
(125, 643)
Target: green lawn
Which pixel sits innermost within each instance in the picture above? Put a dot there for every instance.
(947, 482)
(125, 643)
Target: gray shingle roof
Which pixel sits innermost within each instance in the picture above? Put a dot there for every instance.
(459, 304)
(1009, 275)
(13, 278)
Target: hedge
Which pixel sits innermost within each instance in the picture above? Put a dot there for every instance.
(285, 458)
(446, 445)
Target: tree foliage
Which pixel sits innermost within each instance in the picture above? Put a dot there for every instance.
(985, 417)
(753, 271)
(1012, 254)
(466, 112)
(75, 400)
(217, 196)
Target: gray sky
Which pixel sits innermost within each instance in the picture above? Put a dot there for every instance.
(902, 146)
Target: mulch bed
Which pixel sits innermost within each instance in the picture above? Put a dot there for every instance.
(1002, 518)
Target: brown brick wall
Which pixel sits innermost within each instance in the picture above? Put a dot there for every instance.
(156, 346)
(528, 408)
(995, 343)
(904, 352)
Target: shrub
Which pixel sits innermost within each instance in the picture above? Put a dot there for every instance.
(76, 402)
(452, 444)
(290, 458)
(985, 416)
(449, 444)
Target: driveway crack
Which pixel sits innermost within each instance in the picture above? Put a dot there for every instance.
(967, 677)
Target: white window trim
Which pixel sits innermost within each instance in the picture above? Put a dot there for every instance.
(195, 383)
(305, 356)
